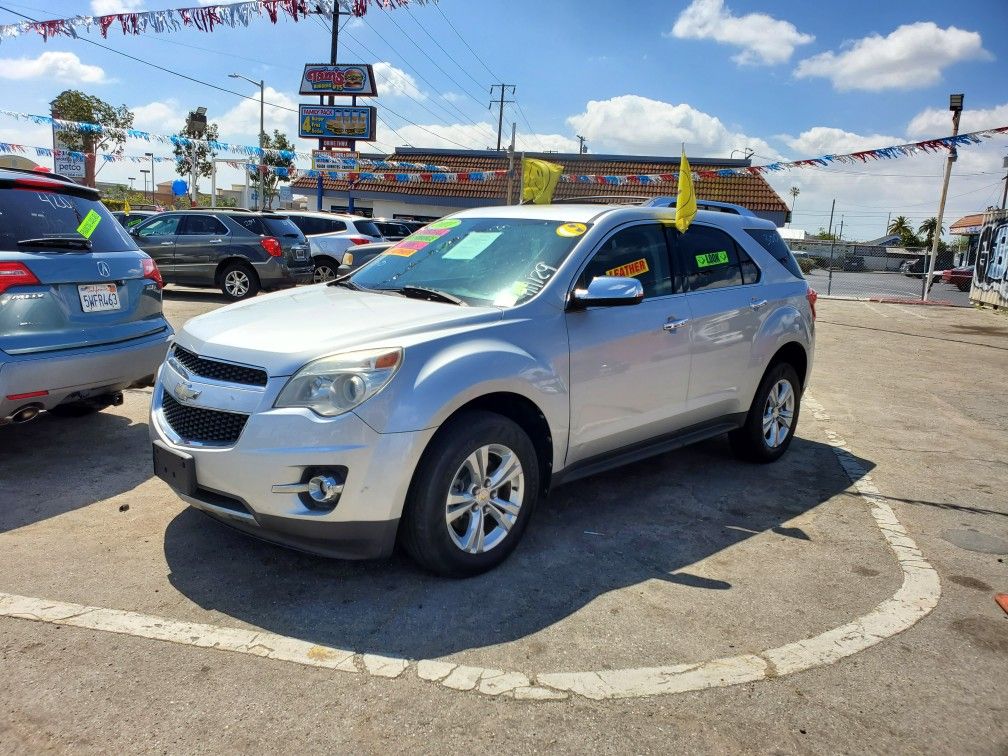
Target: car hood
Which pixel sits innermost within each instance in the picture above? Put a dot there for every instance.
(282, 332)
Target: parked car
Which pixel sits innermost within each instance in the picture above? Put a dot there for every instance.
(239, 252)
(441, 390)
(80, 305)
(133, 217)
(917, 267)
(392, 230)
(330, 235)
(961, 278)
(362, 255)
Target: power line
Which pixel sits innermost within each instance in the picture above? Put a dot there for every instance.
(528, 125)
(493, 76)
(447, 54)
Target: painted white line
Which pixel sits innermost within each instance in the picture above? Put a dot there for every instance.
(916, 597)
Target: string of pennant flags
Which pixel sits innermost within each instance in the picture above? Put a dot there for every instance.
(204, 18)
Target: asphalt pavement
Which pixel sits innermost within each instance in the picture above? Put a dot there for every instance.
(873, 285)
(839, 600)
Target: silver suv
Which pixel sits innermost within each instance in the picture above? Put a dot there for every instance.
(436, 394)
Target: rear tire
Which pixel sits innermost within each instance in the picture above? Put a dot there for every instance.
(326, 269)
(772, 418)
(238, 281)
(456, 525)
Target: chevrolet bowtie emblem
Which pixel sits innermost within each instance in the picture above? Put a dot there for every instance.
(185, 391)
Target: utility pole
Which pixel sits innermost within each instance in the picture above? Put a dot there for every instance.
(500, 112)
(581, 145)
(511, 151)
(956, 106)
(1004, 194)
(829, 233)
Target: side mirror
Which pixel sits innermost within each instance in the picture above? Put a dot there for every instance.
(608, 291)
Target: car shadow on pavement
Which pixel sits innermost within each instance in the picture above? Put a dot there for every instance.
(195, 296)
(55, 465)
(651, 520)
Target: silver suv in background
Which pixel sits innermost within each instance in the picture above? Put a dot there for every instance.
(437, 393)
(238, 252)
(80, 305)
(330, 235)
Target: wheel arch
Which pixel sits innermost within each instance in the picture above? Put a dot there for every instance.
(233, 259)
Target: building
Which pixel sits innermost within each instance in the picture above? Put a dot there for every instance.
(430, 200)
(968, 228)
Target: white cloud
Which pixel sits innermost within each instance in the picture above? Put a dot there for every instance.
(826, 140)
(242, 121)
(394, 82)
(764, 40)
(107, 7)
(166, 117)
(59, 66)
(911, 57)
(634, 125)
(934, 122)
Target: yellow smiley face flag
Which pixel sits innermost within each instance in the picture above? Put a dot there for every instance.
(685, 210)
(539, 180)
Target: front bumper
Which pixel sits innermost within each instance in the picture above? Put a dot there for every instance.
(275, 448)
(79, 373)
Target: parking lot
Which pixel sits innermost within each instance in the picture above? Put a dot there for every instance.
(839, 600)
(874, 285)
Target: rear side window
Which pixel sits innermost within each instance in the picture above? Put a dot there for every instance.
(282, 226)
(771, 241)
(202, 225)
(709, 258)
(250, 223)
(367, 227)
(31, 214)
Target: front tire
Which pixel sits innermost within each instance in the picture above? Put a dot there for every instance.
(326, 269)
(472, 495)
(773, 416)
(238, 281)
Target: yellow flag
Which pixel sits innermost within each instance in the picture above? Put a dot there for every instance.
(685, 210)
(539, 180)
(126, 207)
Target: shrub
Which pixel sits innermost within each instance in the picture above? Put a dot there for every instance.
(806, 264)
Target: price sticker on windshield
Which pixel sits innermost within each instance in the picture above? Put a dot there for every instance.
(89, 224)
(710, 259)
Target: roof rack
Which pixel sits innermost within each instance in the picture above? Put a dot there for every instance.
(718, 207)
(602, 199)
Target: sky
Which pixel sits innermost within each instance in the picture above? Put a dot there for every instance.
(784, 79)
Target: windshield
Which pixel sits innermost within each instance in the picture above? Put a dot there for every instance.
(482, 261)
(31, 214)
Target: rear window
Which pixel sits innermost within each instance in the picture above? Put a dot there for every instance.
(771, 241)
(32, 214)
(282, 226)
(367, 227)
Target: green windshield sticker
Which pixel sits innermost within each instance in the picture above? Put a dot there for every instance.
(712, 258)
(446, 223)
(89, 224)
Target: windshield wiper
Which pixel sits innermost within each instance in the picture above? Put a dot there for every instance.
(64, 242)
(431, 295)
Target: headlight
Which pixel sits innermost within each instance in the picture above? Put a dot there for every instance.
(337, 384)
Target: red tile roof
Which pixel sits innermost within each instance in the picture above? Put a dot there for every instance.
(967, 221)
(752, 192)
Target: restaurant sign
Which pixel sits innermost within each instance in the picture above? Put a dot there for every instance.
(328, 121)
(356, 79)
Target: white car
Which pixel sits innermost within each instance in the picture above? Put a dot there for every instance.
(330, 235)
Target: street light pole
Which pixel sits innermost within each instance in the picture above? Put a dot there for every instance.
(956, 106)
(262, 135)
(151, 156)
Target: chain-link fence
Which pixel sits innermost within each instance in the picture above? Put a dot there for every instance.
(865, 271)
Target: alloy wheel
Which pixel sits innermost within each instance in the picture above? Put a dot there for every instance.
(778, 414)
(237, 283)
(484, 498)
(323, 273)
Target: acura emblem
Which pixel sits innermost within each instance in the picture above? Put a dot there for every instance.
(103, 270)
(185, 391)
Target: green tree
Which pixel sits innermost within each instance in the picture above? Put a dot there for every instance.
(74, 105)
(276, 141)
(928, 229)
(200, 152)
(900, 225)
(824, 234)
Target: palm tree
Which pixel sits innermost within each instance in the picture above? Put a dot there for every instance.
(928, 229)
(901, 225)
(795, 191)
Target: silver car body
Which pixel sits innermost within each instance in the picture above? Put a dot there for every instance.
(611, 384)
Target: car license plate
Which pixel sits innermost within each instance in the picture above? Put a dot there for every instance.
(99, 297)
(176, 469)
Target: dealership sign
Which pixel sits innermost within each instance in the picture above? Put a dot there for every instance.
(328, 121)
(338, 79)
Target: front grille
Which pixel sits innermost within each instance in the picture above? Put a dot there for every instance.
(204, 425)
(219, 371)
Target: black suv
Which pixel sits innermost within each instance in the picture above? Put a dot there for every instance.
(239, 252)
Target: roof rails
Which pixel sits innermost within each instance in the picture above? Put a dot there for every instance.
(602, 199)
(718, 207)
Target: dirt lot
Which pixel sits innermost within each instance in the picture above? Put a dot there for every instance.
(839, 600)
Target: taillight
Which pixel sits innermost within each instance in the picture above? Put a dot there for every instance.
(15, 274)
(150, 270)
(359, 240)
(272, 246)
(812, 297)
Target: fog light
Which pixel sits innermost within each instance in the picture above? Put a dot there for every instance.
(324, 489)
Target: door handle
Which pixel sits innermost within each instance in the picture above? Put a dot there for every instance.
(167, 244)
(216, 241)
(672, 325)
(757, 303)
